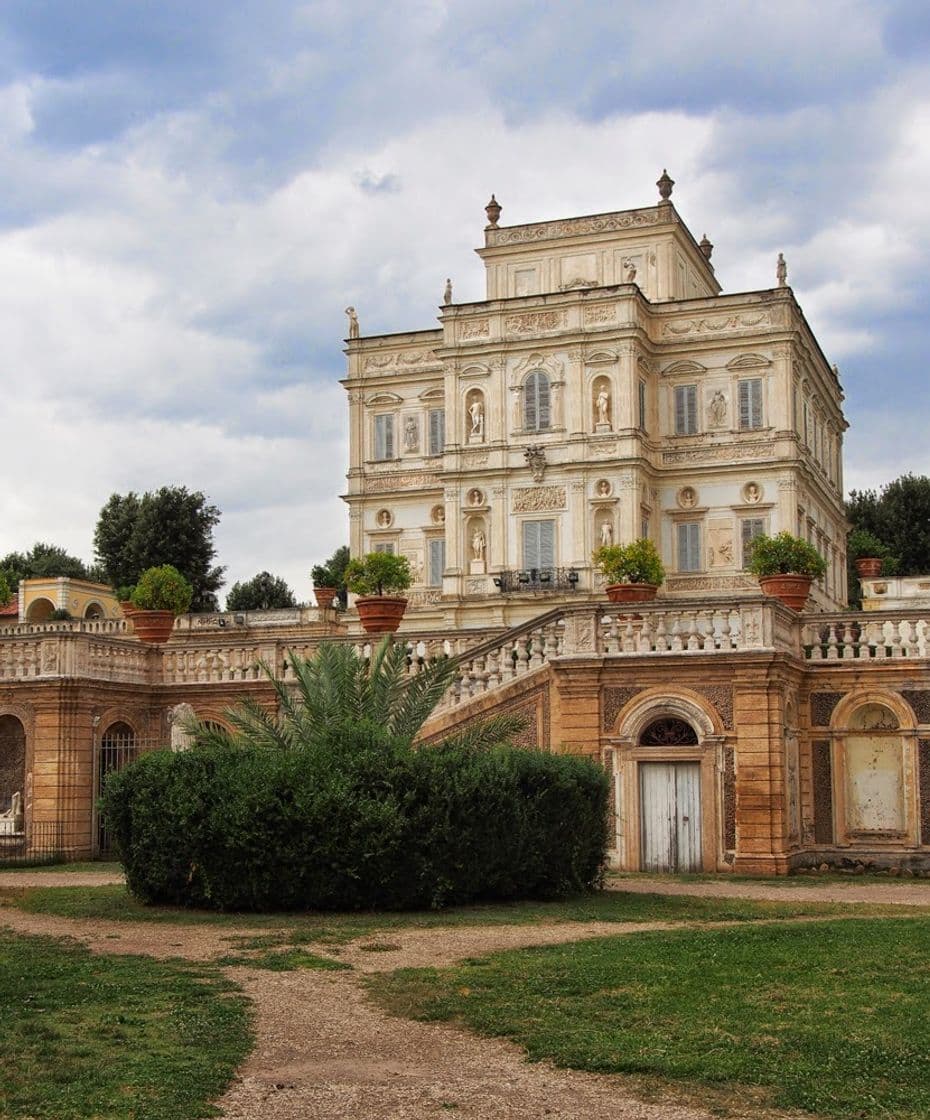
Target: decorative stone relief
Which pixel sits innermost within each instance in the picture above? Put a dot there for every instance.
(710, 583)
(474, 328)
(544, 231)
(476, 585)
(179, 719)
(602, 488)
(536, 460)
(475, 458)
(399, 480)
(717, 326)
(415, 560)
(720, 546)
(438, 515)
(600, 313)
(475, 497)
(538, 498)
(384, 518)
(604, 449)
(532, 322)
(411, 433)
(736, 452)
(752, 493)
(717, 410)
(687, 497)
(579, 634)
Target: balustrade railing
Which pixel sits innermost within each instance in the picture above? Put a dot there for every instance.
(865, 637)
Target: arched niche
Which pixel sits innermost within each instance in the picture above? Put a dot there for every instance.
(12, 761)
(40, 610)
(604, 526)
(602, 404)
(476, 543)
(94, 610)
(476, 416)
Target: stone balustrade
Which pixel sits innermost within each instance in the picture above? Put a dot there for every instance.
(871, 636)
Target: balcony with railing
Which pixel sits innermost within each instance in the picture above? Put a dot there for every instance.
(537, 580)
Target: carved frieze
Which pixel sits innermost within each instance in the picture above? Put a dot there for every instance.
(475, 459)
(603, 449)
(721, 325)
(731, 452)
(549, 231)
(400, 480)
(532, 322)
(710, 583)
(537, 498)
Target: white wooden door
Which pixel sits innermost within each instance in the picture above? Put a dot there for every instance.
(670, 816)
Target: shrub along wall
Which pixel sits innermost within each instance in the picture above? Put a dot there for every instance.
(359, 823)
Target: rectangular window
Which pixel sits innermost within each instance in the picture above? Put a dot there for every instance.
(384, 546)
(686, 423)
(642, 405)
(750, 403)
(750, 528)
(538, 544)
(437, 561)
(384, 436)
(437, 431)
(689, 546)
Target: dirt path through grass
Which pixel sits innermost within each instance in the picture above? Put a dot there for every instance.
(893, 892)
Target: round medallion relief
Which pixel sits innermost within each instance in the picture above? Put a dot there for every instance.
(752, 493)
(687, 497)
(384, 518)
(475, 497)
(603, 488)
(438, 515)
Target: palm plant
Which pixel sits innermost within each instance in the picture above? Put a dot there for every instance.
(337, 691)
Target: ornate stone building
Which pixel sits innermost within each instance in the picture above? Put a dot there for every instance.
(603, 390)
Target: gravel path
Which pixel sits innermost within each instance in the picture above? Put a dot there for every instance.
(59, 878)
(324, 1050)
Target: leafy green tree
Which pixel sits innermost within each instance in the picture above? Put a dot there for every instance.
(43, 561)
(332, 573)
(338, 691)
(6, 592)
(899, 516)
(263, 592)
(172, 525)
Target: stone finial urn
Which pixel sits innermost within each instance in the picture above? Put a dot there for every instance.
(493, 211)
(706, 246)
(665, 184)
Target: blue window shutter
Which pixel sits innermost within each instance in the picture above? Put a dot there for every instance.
(543, 397)
(437, 561)
(437, 431)
(546, 544)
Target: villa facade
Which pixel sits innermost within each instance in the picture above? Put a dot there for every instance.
(605, 389)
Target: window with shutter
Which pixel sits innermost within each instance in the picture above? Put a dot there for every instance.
(750, 528)
(384, 437)
(437, 561)
(437, 431)
(750, 403)
(537, 410)
(689, 546)
(384, 546)
(538, 544)
(686, 410)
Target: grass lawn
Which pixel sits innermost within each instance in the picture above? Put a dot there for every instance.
(89, 1036)
(828, 1017)
(114, 903)
(103, 867)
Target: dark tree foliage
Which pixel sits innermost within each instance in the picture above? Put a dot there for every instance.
(44, 561)
(899, 516)
(263, 592)
(172, 525)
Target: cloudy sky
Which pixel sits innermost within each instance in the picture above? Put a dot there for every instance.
(193, 190)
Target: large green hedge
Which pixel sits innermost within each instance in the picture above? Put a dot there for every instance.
(357, 820)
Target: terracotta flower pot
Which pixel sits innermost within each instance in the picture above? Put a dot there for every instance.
(324, 597)
(380, 614)
(791, 589)
(869, 567)
(125, 605)
(153, 626)
(631, 592)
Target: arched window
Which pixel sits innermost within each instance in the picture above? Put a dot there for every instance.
(12, 761)
(537, 410)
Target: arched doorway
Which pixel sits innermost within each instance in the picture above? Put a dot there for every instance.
(12, 773)
(117, 747)
(670, 800)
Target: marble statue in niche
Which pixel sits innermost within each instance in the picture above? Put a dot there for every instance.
(602, 408)
(476, 418)
(607, 533)
(718, 410)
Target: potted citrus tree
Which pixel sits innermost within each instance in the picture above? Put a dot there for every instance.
(161, 594)
(376, 580)
(325, 585)
(868, 553)
(786, 566)
(633, 571)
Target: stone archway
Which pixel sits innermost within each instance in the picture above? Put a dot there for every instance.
(40, 610)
